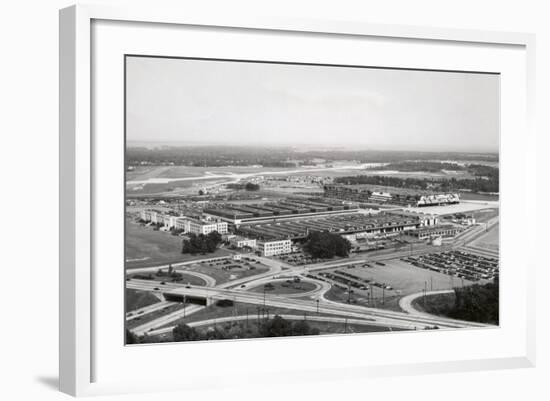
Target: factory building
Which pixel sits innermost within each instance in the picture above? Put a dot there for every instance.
(241, 242)
(194, 226)
(289, 208)
(444, 231)
(275, 247)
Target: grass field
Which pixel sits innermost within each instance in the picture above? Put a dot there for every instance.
(484, 215)
(185, 279)
(279, 288)
(146, 247)
(436, 304)
(478, 197)
(223, 276)
(490, 240)
(136, 299)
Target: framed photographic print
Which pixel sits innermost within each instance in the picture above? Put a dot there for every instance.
(259, 191)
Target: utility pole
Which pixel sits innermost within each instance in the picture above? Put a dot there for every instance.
(425, 290)
(383, 293)
(431, 283)
(317, 305)
(184, 306)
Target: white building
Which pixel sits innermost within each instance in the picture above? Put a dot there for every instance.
(169, 221)
(241, 242)
(150, 215)
(193, 226)
(277, 247)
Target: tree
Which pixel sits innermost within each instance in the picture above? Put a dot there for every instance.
(201, 243)
(326, 245)
(131, 338)
(183, 332)
(276, 327)
(250, 186)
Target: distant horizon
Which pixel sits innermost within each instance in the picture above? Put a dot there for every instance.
(346, 147)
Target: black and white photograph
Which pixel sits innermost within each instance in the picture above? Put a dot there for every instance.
(272, 199)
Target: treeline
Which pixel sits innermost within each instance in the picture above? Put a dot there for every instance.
(477, 303)
(249, 186)
(326, 245)
(485, 184)
(275, 327)
(428, 166)
(220, 156)
(201, 243)
(474, 303)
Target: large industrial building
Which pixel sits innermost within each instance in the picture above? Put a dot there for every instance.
(186, 224)
(442, 231)
(195, 226)
(358, 222)
(289, 208)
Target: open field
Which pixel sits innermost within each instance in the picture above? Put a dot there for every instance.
(436, 304)
(283, 288)
(223, 276)
(490, 240)
(185, 278)
(147, 247)
(173, 187)
(466, 196)
(484, 215)
(138, 299)
(172, 172)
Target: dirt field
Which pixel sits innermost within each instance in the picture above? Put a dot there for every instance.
(146, 247)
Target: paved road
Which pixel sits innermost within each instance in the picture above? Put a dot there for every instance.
(400, 319)
(329, 319)
(131, 315)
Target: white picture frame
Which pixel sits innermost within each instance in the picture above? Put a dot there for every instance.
(78, 342)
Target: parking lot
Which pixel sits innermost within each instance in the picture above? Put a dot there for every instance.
(464, 265)
(373, 283)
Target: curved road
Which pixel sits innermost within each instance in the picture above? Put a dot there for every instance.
(406, 303)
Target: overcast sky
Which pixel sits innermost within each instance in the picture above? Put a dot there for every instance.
(224, 102)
